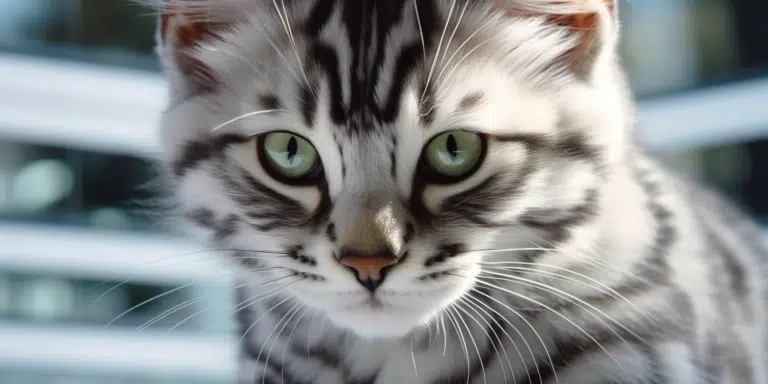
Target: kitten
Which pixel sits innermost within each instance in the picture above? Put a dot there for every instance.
(444, 191)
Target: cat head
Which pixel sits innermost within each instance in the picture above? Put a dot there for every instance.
(371, 159)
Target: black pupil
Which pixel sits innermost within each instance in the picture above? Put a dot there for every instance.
(293, 147)
(452, 147)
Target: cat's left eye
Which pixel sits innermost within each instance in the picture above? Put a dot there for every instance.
(454, 155)
(287, 156)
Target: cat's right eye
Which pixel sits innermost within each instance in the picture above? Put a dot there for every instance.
(288, 157)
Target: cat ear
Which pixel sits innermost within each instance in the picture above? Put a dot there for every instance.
(183, 25)
(593, 25)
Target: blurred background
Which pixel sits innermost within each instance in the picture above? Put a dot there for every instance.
(80, 94)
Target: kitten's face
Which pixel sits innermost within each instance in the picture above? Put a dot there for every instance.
(365, 165)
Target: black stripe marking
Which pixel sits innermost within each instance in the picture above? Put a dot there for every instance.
(445, 252)
(308, 103)
(735, 269)
(568, 352)
(247, 260)
(470, 101)
(270, 101)
(296, 254)
(410, 231)
(393, 159)
(318, 17)
(407, 62)
(341, 155)
(271, 209)
(226, 228)
(655, 265)
(197, 151)
(576, 146)
(203, 217)
(330, 232)
(556, 224)
(325, 58)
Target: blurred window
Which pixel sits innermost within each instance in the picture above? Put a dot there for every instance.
(118, 32)
(76, 187)
(17, 376)
(50, 300)
(739, 171)
(674, 45)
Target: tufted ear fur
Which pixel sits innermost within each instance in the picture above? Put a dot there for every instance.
(183, 26)
(593, 25)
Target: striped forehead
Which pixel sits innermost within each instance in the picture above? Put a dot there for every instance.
(365, 52)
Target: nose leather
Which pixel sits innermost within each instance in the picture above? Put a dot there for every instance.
(368, 267)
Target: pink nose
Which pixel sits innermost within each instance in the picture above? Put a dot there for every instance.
(369, 269)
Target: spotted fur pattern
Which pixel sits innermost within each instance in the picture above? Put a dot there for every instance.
(569, 256)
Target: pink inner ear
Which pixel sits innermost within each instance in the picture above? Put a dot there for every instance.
(188, 30)
(181, 32)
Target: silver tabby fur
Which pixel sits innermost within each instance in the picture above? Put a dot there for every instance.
(570, 256)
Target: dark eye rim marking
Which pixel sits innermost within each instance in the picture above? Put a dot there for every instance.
(312, 178)
(431, 176)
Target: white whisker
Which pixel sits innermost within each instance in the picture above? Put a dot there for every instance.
(288, 341)
(245, 116)
(287, 318)
(437, 53)
(472, 338)
(556, 313)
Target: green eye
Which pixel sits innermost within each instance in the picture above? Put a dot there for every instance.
(288, 155)
(454, 153)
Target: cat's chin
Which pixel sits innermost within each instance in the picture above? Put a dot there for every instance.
(380, 321)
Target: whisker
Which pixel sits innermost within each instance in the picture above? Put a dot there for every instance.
(166, 313)
(516, 313)
(262, 296)
(289, 31)
(456, 66)
(259, 319)
(472, 338)
(437, 53)
(288, 342)
(574, 300)
(245, 116)
(608, 291)
(421, 30)
(455, 28)
(522, 337)
(445, 334)
(413, 359)
(474, 307)
(309, 333)
(138, 276)
(602, 288)
(145, 302)
(457, 50)
(457, 328)
(265, 34)
(292, 311)
(599, 263)
(556, 313)
(184, 320)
